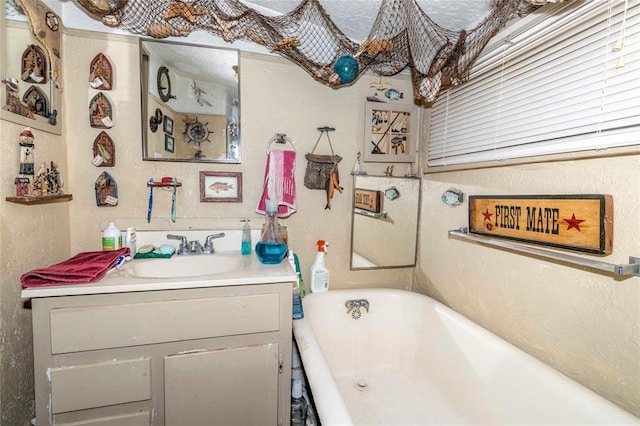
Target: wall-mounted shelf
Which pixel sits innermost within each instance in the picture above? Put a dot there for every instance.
(633, 268)
(379, 215)
(164, 184)
(44, 199)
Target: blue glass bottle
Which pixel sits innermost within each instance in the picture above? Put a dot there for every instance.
(271, 249)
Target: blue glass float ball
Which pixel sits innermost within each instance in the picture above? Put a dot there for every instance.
(347, 68)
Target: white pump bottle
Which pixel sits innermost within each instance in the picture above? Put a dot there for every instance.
(319, 273)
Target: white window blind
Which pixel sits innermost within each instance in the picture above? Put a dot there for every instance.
(558, 86)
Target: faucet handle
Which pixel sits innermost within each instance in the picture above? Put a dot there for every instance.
(184, 244)
(208, 243)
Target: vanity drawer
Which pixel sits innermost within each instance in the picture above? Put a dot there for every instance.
(104, 326)
(84, 386)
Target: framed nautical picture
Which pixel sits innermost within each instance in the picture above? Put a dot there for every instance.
(169, 143)
(220, 187)
(391, 133)
(167, 124)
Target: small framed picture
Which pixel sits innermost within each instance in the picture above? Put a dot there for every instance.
(391, 133)
(167, 124)
(220, 187)
(169, 143)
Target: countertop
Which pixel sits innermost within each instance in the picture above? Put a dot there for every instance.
(251, 271)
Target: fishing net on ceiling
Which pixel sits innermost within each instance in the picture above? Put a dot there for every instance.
(401, 36)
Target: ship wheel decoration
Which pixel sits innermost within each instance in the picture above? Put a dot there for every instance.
(196, 132)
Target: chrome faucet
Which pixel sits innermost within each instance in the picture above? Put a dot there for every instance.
(194, 247)
(354, 305)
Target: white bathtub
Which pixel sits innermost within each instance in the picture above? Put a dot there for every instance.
(411, 360)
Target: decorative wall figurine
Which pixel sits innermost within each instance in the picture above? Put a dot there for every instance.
(100, 112)
(106, 191)
(26, 152)
(14, 103)
(34, 65)
(47, 181)
(22, 186)
(23, 181)
(37, 101)
(101, 73)
(104, 151)
(45, 26)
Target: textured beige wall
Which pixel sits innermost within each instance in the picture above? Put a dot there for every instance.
(585, 324)
(276, 97)
(30, 237)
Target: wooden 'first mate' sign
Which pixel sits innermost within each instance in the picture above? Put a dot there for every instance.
(581, 223)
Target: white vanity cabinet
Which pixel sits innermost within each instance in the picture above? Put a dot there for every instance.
(195, 356)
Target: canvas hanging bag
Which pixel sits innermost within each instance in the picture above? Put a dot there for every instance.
(320, 166)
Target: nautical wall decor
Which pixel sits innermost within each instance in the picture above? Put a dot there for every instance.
(582, 223)
(34, 65)
(101, 73)
(403, 35)
(37, 101)
(104, 151)
(27, 153)
(106, 190)
(47, 181)
(390, 133)
(45, 26)
(100, 112)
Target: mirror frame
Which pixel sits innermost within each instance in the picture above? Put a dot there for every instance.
(144, 96)
(353, 217)
(38, 122)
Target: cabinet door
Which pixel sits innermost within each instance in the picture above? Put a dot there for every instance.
(236, 386)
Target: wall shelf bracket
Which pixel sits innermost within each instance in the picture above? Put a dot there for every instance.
(630, 269)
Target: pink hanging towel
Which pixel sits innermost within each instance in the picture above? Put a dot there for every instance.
(279, 182)
(87, 267)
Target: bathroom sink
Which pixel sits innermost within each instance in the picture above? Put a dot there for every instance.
(185, 266)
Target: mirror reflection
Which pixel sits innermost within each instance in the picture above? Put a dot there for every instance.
(190, 102)
(29, 95)
(384, 227)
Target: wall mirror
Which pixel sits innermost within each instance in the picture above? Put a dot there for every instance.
(384, 226)
(29, 96)
(190, 98)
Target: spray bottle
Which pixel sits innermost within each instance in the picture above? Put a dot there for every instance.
(319, 273)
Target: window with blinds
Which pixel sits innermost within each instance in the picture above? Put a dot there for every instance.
(570, 82)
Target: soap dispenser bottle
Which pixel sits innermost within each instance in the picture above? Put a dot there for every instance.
(111, 237)
(245, 247)
(271, 249)
(319, 272)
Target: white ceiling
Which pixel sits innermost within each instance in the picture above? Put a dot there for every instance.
(355, 17)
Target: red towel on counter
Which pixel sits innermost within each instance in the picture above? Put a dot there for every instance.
(87, 267)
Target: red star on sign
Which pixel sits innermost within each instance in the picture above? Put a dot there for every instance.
(487, 215)
(573, 222)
